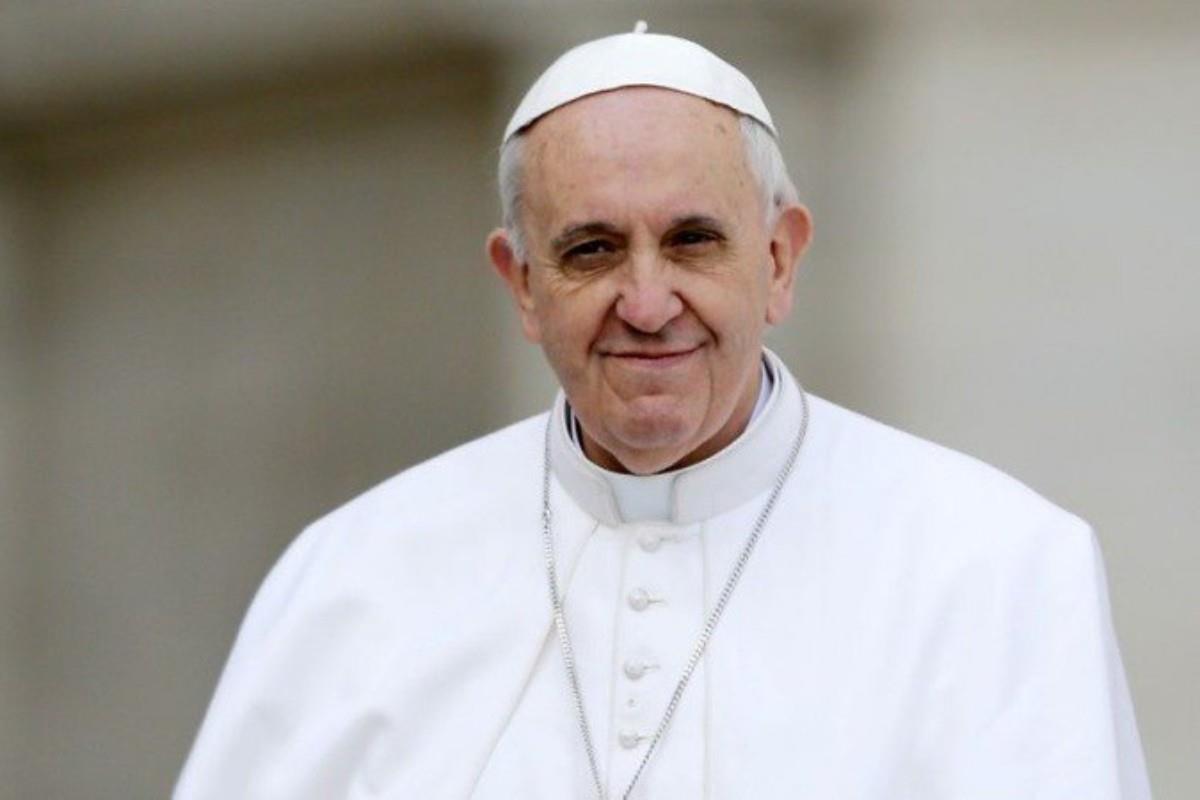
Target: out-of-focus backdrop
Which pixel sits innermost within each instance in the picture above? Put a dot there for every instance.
(241, 280)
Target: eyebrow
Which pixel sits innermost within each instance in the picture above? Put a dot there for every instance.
(697, 221)
(573, 232)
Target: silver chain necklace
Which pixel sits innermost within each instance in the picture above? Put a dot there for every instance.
(710, 624)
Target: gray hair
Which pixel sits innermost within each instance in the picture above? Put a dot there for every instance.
(762, 154)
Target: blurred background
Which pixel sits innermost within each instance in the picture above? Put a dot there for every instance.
(242, 280)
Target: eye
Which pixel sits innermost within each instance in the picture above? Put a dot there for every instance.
(693, 238)
(589, 249)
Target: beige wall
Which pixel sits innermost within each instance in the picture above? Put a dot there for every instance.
(251, 312)
(228, 305)
(15, 385)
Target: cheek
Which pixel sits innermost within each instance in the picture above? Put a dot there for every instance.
(569, 325)
(733, 312)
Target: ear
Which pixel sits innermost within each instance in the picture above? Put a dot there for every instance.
(789, 240)
(515, 274)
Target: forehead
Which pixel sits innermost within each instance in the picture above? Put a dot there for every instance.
(636, 150)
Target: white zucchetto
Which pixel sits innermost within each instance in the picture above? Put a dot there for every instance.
(638, 59)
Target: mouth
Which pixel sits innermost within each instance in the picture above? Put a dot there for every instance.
(652, 358)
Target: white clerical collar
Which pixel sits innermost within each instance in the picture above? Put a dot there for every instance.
(719, 483)
(648, 497)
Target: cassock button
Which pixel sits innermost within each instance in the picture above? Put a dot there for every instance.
(629, 739)
(634, 669)
(649, 542)
(639, 599)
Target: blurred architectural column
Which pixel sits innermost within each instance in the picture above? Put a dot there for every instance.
(255, 304)
(15, 652)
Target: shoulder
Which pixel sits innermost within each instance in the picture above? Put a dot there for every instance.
(464, 515)
(919, 489)
(482, 472)
(433, 572)
(940, 536)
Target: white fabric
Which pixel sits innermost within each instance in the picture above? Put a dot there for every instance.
(638, 59)
(913, 624)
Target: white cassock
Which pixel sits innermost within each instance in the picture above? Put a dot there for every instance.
(913, 624)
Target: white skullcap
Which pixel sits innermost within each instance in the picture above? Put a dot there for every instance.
(638, 59)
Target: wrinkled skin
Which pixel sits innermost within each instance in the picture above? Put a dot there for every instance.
(651, 274)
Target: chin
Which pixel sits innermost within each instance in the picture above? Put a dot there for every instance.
(652, 444)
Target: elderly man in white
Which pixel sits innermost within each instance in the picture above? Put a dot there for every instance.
(689, 579)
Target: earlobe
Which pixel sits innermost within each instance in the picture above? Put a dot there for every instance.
(515, 274)
(789, 240)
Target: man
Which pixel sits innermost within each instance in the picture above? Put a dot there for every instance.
(690, 579)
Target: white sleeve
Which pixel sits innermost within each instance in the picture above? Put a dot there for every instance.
(1057, 719)
(235, 731)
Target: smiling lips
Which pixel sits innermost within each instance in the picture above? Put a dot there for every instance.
(651, 358)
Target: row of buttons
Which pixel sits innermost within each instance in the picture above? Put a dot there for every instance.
(639, 599)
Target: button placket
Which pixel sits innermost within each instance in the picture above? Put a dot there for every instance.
(659, 572)
(636, 694)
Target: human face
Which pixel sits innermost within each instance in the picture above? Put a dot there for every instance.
(650, 272)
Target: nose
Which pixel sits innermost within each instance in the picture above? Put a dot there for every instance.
(648, 299)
